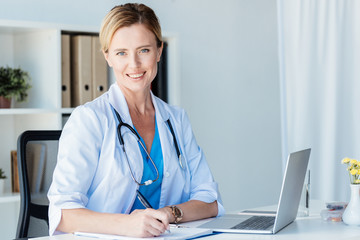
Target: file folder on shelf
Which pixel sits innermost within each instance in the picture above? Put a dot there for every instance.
(81, 83)
(65, 71)
(99, 69)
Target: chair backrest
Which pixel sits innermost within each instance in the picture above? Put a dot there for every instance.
(37, 155)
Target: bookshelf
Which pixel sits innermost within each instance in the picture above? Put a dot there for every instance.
(36, 48)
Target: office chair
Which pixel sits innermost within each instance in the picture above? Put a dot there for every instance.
(37, 154)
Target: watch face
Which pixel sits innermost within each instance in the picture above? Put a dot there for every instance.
(177, 212)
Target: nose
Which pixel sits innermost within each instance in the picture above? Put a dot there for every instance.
(134, 61)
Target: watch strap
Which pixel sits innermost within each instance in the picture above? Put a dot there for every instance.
(177, 213)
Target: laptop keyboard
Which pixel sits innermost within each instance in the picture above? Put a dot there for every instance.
(256, 223)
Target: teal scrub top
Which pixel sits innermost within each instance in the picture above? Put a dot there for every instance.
(151, 192)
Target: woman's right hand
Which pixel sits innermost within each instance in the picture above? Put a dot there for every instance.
(147, 223)
(140, 223)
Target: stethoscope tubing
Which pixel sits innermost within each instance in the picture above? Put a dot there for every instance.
(121, 141)
(176, 145)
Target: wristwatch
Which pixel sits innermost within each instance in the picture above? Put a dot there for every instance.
(177, 213)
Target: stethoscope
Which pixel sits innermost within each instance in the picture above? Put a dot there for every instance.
(121, 140)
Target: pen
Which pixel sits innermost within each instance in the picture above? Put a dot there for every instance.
(146, 204)
(177, 226)
(143, 200)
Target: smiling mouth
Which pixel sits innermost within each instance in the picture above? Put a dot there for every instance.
(138, 75)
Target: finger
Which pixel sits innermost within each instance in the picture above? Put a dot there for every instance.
(154, 232)
(158, 214)
(159, 220)
(164, 219)
(156, 227)
(163, 216)
(151, 219)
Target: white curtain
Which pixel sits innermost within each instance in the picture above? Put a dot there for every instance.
(319, 55)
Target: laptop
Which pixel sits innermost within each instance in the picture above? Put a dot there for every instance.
(270, 222)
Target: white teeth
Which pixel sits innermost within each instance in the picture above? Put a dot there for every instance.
(136, 75)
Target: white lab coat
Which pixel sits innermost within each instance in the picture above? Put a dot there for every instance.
(92, 172)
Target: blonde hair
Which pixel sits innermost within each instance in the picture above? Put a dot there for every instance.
(125, 16)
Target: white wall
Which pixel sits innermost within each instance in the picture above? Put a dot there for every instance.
(228, 77)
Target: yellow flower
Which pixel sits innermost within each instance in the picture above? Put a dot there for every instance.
(353, 168)
(353, 161)
(353, 172)
(345, 160)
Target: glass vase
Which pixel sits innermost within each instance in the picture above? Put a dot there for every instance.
(351, 214)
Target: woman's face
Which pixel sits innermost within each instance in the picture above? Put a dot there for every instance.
(133, 55)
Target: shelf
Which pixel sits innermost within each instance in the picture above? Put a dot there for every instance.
(22, 111)
(66, 110)
(9, 197)
(36, 48)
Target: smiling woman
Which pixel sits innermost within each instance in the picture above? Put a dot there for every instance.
(133, 54)
(128, 162)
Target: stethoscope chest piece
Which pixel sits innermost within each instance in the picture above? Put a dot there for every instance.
(181, 162)
(180, 157)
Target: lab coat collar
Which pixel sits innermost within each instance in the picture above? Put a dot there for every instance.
(160, 111)
(118, 101)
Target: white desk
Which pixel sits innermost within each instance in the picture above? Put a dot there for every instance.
(306, 228)
(311, 228)
(303, 228)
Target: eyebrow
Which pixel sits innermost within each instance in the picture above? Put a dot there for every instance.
(124, 49)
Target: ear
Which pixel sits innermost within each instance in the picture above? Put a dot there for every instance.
(160, 49)
(106, 55)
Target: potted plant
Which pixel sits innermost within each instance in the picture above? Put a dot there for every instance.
(2, 181)
(14, 82)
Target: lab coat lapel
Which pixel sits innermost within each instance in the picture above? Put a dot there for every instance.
(165, 136)
(171, 183)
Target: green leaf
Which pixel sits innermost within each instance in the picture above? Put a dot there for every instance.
(14, 82)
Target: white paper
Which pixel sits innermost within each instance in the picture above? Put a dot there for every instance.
(175, 233)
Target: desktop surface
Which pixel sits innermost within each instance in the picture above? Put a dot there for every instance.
(310, 228)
